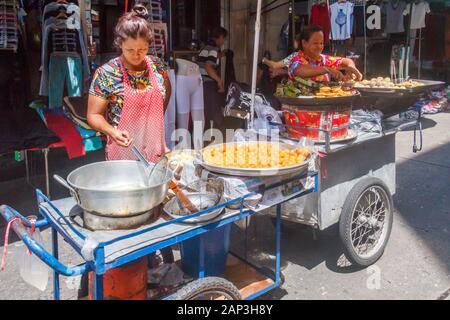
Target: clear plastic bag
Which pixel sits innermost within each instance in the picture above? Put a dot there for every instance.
(32, 269)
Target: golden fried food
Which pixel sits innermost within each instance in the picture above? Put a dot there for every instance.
(387, 83)
(254, 156)
(333, 92)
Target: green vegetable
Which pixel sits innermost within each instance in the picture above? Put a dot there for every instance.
(308, 83)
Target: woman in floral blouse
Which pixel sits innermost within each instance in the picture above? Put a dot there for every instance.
(129, 94)
(310, 63)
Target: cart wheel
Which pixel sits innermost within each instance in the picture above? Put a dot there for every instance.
(366, 222)
(211, 288)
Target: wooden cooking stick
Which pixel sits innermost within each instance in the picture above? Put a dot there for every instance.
(173, 185)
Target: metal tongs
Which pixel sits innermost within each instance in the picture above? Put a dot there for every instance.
(162, 166)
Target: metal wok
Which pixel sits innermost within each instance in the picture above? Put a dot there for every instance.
(116, 188)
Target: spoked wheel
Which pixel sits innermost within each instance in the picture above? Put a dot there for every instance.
(211, 288)
(366, 222)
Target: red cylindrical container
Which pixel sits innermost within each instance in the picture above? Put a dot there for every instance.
(128, 282)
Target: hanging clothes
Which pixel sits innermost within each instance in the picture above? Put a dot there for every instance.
(394, 16)
(64, 57)
(9, 25)
(341, 17)
(419, 12)
(321, 16)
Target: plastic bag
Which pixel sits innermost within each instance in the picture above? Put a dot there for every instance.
(32, 269)
(167, 275)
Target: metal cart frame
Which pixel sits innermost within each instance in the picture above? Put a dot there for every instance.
(99, 266)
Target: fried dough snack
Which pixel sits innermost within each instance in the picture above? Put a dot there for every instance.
(254, 156)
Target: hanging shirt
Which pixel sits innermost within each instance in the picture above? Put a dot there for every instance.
(324, 61)
(321, 17)
(394, 16)
(341, 16)
(419, 11)
(108, 84)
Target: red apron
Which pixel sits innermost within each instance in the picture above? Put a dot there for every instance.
(143, 117)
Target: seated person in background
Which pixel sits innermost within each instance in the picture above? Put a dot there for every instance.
(311, 63)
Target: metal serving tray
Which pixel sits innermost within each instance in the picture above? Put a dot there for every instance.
(317, 101)
(427, 86)
(263, 172)
(352, 135)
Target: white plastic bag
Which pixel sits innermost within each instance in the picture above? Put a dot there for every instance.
(32, 269)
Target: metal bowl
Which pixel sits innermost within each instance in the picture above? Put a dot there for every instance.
(201, 201)
(251, 202)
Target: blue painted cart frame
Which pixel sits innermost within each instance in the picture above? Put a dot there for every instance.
(100, 267)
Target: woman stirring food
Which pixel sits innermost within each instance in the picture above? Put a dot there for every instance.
(133, 91)
(310, 63)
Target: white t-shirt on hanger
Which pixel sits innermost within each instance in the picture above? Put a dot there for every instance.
(341, 14)
(419, 11)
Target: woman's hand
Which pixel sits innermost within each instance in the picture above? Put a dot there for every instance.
(336, 74)
(351, 73)
(121, 137)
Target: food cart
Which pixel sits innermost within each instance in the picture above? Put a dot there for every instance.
(357, 170)
(104, 247)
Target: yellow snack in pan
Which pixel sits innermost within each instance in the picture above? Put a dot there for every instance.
(255, 156)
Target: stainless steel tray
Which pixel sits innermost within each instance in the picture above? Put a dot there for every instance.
(316, 101)
(263, 172)
(427, 85)
(352, 135)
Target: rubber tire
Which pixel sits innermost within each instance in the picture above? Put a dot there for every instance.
(346, 217)
(192, 289)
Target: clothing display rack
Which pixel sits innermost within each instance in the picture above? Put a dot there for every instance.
(356, 3)
(9, 25)
(160, 35)
(159, 44)
(154, 8)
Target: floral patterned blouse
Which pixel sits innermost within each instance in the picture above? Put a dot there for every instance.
(325, 61)
(108, 84)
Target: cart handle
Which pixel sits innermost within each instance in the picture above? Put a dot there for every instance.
(9, 214)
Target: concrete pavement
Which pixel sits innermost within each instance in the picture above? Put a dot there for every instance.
(416, 263)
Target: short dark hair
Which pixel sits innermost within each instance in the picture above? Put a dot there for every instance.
(133, 24)
(307, 32)
(216, 33)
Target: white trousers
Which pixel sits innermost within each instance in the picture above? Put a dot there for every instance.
(190, 102)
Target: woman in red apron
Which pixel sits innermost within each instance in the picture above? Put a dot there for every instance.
(129, 94)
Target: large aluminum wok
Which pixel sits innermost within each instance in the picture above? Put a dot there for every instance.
(117, 188)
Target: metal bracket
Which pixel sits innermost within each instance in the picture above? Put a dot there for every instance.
(418, 126)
